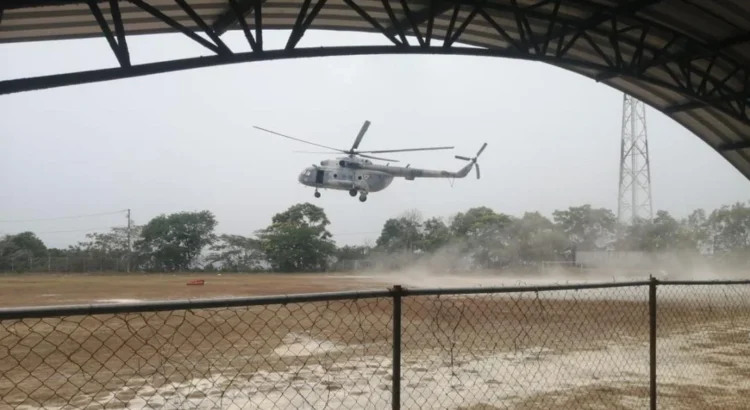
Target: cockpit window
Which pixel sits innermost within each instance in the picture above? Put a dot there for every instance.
(307, 173)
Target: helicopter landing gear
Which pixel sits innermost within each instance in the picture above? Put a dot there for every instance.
(353, 192)
(317, 194)
(363, 197)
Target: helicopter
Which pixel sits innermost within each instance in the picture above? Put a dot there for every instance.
(357, 174)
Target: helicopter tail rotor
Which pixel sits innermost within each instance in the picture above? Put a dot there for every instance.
(474, 160)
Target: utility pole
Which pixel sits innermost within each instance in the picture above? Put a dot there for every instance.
(127, 266)
(634, 199)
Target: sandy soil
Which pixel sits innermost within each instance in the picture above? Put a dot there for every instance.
(566, 349)
(56, 289)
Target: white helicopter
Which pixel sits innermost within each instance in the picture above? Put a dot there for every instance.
(361, 176)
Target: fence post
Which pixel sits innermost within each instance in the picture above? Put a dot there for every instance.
(396, 379)
(652, 339)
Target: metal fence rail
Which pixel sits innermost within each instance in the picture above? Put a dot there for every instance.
(615, 345)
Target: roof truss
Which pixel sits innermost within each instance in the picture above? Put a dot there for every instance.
(630, 46)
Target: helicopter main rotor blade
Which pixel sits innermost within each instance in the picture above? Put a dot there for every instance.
(378, 158)
(383, 151)
(300, 140)
(316, 152)
(361, 135)
(463, 158)
(482, 149)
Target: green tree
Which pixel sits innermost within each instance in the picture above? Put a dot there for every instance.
(663, 233)
(349, 252)
(463, 222)
(589, 228)
(16, 250)
(666, 233)
(487, 237)
(402, 234)
(349, 257)
(236, 253)
(696, 228)
(112, 244)
(635, 236)
(173, 242)
(24, 244)
(56, 253)
(539, 239)
(435, 234)
(298, 240)
(729, 228)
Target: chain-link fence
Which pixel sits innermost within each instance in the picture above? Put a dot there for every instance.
(617, 345)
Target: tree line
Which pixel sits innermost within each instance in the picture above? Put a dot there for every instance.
(298, 240)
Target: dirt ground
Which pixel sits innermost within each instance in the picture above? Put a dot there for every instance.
(59, 289)
(567, 349)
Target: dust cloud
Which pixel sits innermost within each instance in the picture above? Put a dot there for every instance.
(447, 268)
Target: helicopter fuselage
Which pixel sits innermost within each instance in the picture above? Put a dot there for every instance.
(345, 174)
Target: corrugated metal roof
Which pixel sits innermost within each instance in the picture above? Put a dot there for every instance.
(701, 36)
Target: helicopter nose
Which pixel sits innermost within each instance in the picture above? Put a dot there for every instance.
(304, 175)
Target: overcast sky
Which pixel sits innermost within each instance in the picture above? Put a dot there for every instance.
(184, 141)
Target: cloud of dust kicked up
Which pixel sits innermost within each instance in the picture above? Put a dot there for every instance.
(448, 268)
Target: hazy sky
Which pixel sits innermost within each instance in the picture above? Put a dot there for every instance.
(184, 141)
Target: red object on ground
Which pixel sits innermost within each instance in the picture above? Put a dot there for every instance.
(197, 282)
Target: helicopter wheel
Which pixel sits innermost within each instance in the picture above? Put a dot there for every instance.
(362, 198)
(353, 192)
(317, 194)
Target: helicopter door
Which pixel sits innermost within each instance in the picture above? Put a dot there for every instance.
(319, 176)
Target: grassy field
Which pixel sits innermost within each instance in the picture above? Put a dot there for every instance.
(565, 349)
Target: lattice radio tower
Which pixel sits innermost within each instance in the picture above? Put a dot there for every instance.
(635, 170)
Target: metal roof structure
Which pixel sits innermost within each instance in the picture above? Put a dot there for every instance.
(690, 59)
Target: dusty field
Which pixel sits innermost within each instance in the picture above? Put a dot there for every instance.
(566, 349)
(56, 289)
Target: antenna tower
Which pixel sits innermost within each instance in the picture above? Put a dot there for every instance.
(634, 201)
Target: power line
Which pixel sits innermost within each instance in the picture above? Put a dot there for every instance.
(67, 231)
(110, 227)
(63, 217)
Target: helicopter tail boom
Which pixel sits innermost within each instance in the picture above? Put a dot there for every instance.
(412, 173)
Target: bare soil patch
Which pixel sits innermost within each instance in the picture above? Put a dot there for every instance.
(561, 350)
(56, 289)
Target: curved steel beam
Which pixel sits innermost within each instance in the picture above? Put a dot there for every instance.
(108, 74)
(115, 73)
